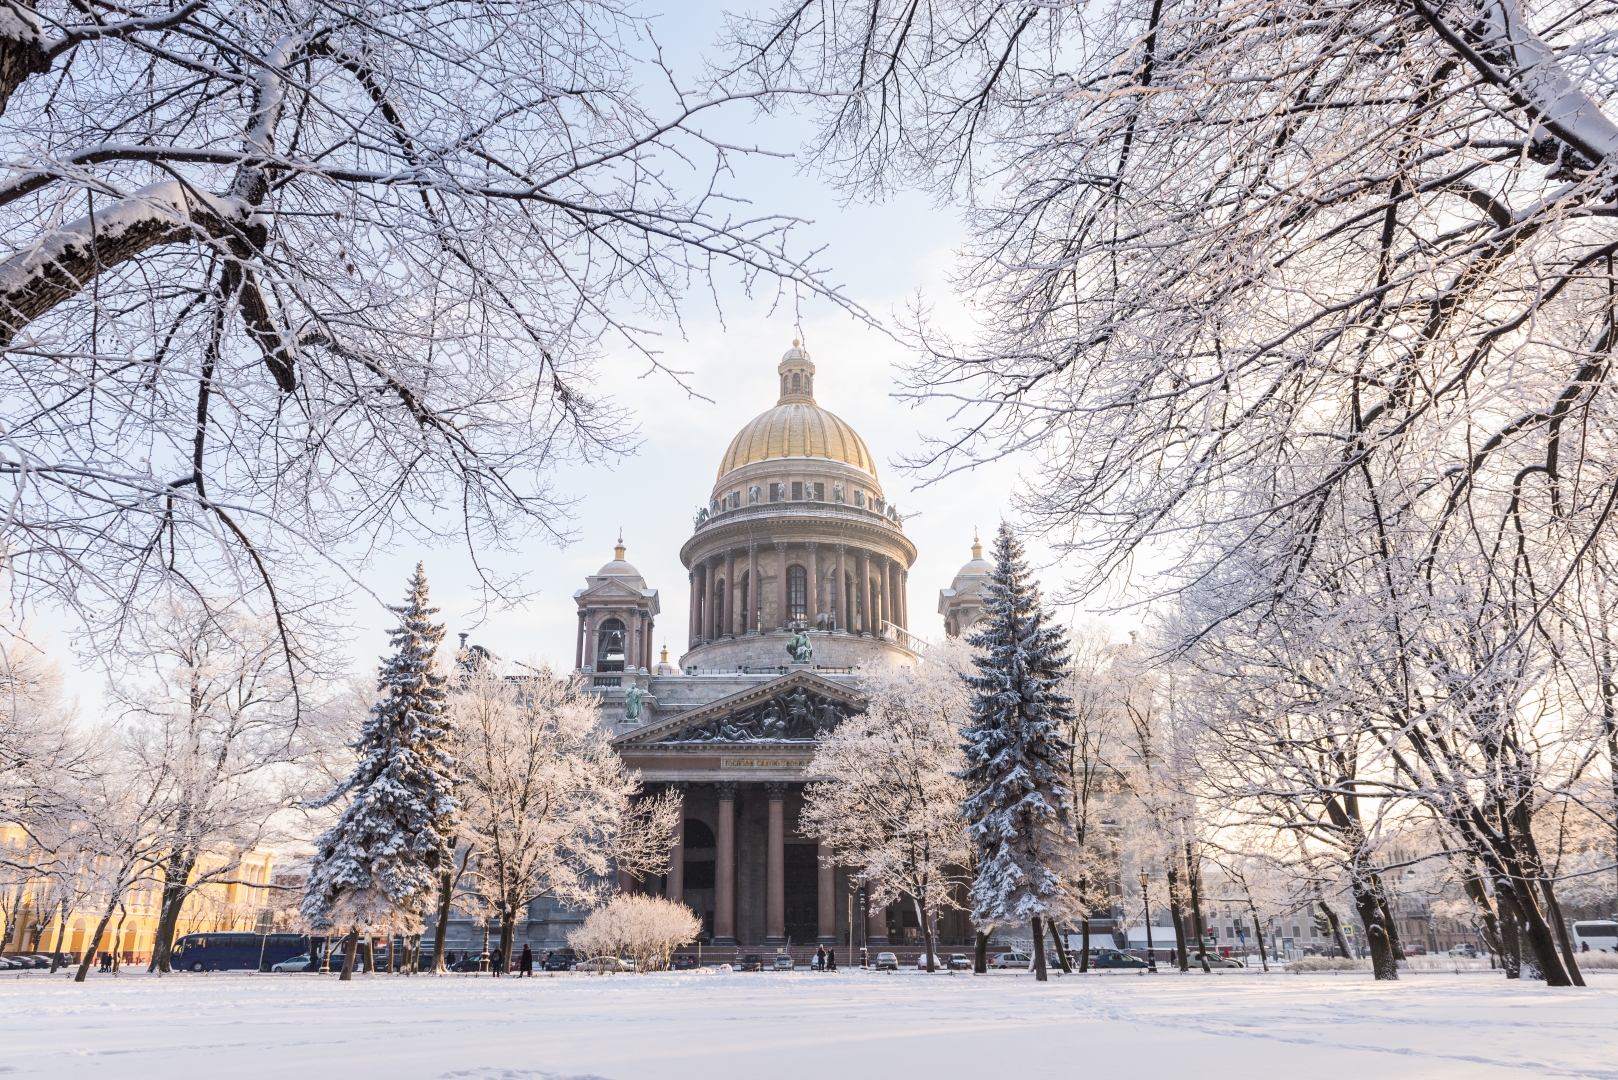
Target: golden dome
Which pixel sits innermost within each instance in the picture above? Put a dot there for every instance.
(797, 427)
(797, 431)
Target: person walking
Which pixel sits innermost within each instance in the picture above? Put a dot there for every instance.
(525, 965)
(496, 963)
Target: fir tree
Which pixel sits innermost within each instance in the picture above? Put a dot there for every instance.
(1018, 808)
(379, 864)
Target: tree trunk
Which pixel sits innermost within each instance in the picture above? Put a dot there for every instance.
(1560, 926)
(1061, 949)
(508, 937)
(95, 942)
(1390, 924)
(1384, 967)
(1177, 916)
(1491, 926)
(1084, 945)
(1510, 939)
(176, 879)
(980, 954)
(926, 933)
(61, 929)
(118, 936)
(351, 947)
(1336, 929)
(1258, 933)
(441, 923)
(1195, 881)
(1039, 952)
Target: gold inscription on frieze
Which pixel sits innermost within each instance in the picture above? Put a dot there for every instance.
(758, 763)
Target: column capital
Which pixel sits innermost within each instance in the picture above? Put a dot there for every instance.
(679, 787)
(726, 790)
(781, 546)
(841, 548)
(752, 547)
(777, 790)
(811, 544)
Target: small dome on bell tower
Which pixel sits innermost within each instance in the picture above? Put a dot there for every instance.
(797, 376)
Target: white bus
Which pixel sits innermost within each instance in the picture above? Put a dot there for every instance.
(1599, 936)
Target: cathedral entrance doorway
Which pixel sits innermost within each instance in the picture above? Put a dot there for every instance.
(800, 874)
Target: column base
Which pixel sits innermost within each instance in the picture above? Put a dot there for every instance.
(775, 940)
(724, 942)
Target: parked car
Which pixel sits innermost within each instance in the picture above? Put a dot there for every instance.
(1465, 949)
(959, 962)
(602, 963)
(782, 962)
(12, 963)
(34, 960)
(683, 963)
(470, 962)
(1112, 958)
(751, 962)
(560, 960)
(297, 963)
(886, 961)
(1011, 960)
(1218, 961)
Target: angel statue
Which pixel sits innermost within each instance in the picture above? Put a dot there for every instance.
(799, 648)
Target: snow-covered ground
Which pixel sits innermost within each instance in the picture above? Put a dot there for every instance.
(782, 1027)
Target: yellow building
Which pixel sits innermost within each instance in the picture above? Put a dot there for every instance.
(32, 919)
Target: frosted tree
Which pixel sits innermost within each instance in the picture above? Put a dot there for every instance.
(378, 865)
(890, 801)
(646, 929)
(210, 708)
(550, 811)
(1016, 803)
(320, 267)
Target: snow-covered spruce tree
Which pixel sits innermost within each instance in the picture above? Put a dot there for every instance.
(1014, 748)
(378, 865)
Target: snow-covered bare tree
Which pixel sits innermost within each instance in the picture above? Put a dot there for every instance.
(890, 795)
(378, 865)
(281, 281)
(1017, 806)
(646, 929)
(209, 707)
(550, 811)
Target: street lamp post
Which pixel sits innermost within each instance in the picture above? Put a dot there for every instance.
(1146, 902)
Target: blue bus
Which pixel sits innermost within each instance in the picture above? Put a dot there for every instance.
(230, 951)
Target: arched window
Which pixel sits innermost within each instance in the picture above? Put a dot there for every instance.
(797, 594)
(610, 641)
(795, 383)
(697, 835)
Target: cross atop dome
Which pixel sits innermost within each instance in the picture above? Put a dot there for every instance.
(797, 376)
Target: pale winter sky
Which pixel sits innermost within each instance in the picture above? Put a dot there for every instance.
(883, 256)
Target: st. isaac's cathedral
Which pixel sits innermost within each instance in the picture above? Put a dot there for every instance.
(798, 571)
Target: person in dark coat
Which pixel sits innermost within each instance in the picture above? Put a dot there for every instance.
(496, 963)
(820, 958)
(525, 964)
(831, 959)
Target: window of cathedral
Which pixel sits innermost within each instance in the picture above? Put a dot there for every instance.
(610, 641)
(819, 492)
(796, 386)
(797, 594)
(797, 491)
(783, 386)
(777, 492)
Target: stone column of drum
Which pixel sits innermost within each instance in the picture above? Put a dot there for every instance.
(724, 903)
(775, 911)
(730, 594)
(862, 565)
(783, 609)
(814, 584)
(754, 598)
(694, 616)
(578, 651)
(827, 883)
(886, 614)
(710, 623)
(845, 621)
